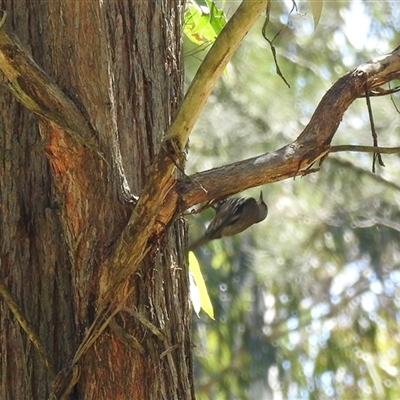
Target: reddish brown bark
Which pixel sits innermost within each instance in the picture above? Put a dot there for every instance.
(66, 196)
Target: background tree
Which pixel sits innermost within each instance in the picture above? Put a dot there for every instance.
(306, 303)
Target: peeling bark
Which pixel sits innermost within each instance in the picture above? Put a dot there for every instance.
(109, 83)
(92, 252)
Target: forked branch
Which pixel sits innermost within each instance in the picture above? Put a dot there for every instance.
(311, 145)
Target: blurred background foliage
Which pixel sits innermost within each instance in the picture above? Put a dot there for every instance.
(307, 303)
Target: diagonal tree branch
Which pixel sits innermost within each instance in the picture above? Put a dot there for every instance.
(295, 158)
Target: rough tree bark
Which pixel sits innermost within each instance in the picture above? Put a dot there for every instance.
(68, 181)
(93, 283)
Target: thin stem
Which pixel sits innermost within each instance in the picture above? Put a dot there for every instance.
(25, 325)
(364, 149)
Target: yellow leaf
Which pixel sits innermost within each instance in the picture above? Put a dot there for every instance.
(316, 9)
(202, 293)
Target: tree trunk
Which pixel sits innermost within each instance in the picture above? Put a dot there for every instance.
(66, 197)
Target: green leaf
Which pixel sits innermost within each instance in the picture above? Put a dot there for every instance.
(198, 289)
(203, 21)
(217, 18)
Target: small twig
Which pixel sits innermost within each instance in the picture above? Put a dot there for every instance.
(96, 329)
(25, 325)
(64, 383)
(169, 350)
(364, 149)
(202, 47)
(378, 91)
(145, 322)
(270, 42)
(308, 171)
(392, 100)
(208, 204)
(127, 339)
(377, 155)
